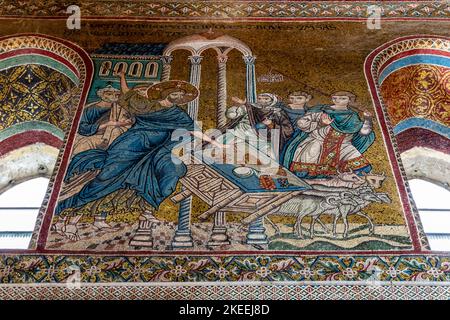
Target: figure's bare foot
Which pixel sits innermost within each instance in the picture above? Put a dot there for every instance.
(71, 232)
(58, 227)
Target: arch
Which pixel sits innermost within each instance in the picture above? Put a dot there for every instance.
(421, 135)
(151, 69)
(135, 69)
(427, 164)
(29, 149)
(105, 68)
(198, 43)
(120, 66)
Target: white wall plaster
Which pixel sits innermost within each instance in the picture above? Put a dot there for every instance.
(427, 164)
(37, 160)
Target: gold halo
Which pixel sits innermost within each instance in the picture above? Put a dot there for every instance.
(155, 91)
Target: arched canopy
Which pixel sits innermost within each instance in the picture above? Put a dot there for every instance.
(198, 43)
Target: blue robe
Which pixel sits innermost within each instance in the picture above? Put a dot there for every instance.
(294, 114)
(345, 121)
(89, 122)
(139, 159)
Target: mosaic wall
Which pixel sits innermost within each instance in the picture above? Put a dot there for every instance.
(212, 223)
(418, 101)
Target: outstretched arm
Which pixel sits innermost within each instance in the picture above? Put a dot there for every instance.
(204, 137)
(123, 82)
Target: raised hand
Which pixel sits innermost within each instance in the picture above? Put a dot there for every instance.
(238, 101)
(367, 114)
(325, 119)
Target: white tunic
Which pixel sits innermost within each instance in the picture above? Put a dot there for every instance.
(310, 150)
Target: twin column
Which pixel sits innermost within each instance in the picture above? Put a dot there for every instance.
(183, 236)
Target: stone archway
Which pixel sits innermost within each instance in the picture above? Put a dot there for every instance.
(196, 45)
(45, 81)
(409, 79)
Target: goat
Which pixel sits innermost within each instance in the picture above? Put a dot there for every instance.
(339, 202)
(363, 196)
(314, 205)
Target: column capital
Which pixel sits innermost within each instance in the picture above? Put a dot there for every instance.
(222, 58)
(195, 59)
(249, 59)
(167, 59)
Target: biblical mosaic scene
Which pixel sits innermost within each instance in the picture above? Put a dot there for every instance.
(233, 141)
(152, 167)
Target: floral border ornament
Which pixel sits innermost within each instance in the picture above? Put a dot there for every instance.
(51, 269)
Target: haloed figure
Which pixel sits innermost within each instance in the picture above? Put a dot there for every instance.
(140, 159)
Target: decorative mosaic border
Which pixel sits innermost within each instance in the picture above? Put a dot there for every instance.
(84, 66)
(47, 43)
(398, 46)
(47, 269)
(220, 10)
(255, 291)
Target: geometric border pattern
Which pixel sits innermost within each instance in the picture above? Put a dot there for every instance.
(220, 10)
(290, 291)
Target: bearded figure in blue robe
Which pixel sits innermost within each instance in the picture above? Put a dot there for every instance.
(330, 139)
(140, 159)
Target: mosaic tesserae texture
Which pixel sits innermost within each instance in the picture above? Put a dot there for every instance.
(219, 144)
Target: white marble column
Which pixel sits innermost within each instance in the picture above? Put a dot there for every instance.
(221, 90)
(167, 61)
(194, 78)
(256, 231)
(183, 236)
(250, 78)
(219, 234)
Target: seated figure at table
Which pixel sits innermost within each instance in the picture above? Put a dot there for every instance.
(331, 138)
(140, 159)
